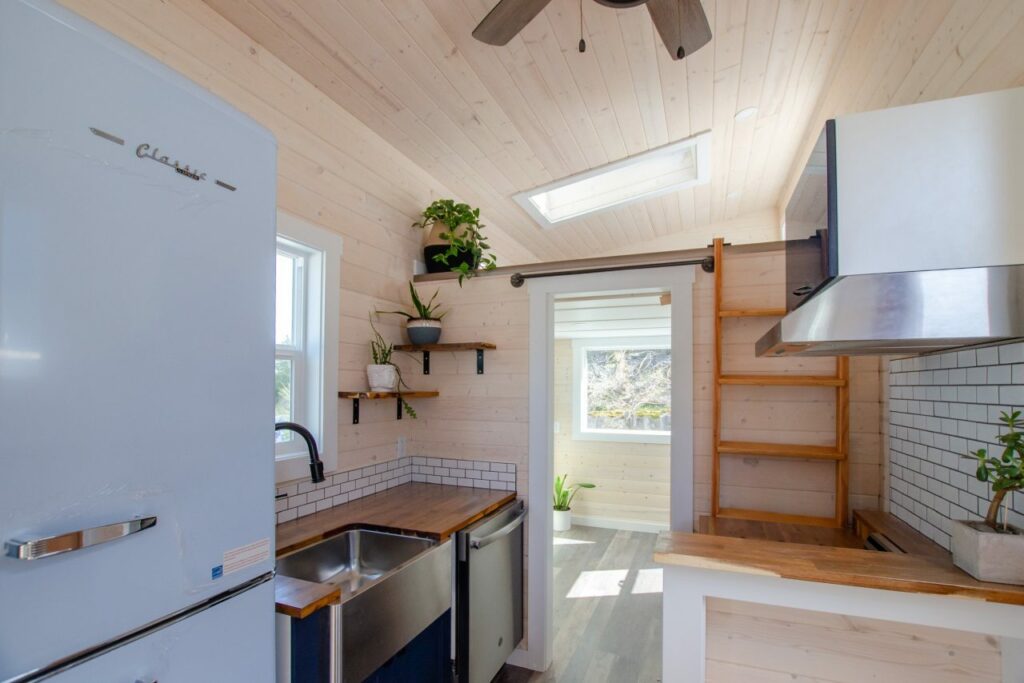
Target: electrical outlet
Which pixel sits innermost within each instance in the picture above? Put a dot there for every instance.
(401, 447)
(558, 427)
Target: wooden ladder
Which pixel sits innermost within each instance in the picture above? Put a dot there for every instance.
(837, 453)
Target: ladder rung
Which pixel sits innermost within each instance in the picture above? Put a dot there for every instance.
(783, 380)
(776, 517)
(753, 313)
(780, 450)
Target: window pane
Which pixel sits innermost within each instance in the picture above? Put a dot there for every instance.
(285, 319)
(629, 390)
(284, 380)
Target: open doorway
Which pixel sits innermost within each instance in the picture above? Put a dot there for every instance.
(611, 400)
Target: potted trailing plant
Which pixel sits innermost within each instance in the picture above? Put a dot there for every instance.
(382, 374)
(425, 326)
(454, 240)
(564, 493)
(990, 550)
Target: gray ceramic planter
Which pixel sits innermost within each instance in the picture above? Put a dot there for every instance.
(423, 331)
(987, 555)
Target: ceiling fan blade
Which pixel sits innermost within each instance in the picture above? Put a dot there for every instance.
(507, 19)
(682, 24)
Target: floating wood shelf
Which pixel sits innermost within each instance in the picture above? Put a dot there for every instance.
(779, 450)
(479, 347)
(753, 313)
(783, 380)
(357, 396)
(836, 453)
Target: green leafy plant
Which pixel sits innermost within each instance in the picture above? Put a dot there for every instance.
(424, 311)
(464, 235)
(564, 493)
(1005, 473)
(381, 352)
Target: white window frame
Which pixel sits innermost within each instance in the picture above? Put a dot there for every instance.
(315, 403)
(579, 381)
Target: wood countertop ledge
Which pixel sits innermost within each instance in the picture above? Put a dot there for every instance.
(299, 599)
(844, 566)
(431, 510)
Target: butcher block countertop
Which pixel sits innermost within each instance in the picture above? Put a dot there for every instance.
(921, 569)
(431, 510)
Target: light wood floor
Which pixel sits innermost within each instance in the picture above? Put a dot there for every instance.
(610, 629)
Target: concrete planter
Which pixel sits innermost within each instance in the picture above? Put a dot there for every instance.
(423, 331)
(381, 377)
(988, 555)
(563, 520)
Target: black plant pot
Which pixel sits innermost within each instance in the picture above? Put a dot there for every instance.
(453, 261)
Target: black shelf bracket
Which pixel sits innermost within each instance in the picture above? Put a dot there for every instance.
(426, 362)
(399, 413)
(355, 411)
(479, 361)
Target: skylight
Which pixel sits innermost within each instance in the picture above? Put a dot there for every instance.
(649, 174)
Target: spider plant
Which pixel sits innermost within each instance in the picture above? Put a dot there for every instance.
(424, 311)
(381, 352)
(564, 493)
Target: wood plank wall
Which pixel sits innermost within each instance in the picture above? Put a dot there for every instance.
(332, 171)
(749, 642)
(632, 478)
(485, 416)
(776, 414)
(478, 417)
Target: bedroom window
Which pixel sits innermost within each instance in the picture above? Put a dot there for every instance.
(622, 390)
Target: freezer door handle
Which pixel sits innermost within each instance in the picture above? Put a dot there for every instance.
(75, 540)
(477, 543)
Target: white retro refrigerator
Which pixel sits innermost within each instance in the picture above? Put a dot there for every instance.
(137, 220)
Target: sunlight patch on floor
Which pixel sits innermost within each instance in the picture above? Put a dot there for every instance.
(571, 541)
(647, 581)
(598, 583)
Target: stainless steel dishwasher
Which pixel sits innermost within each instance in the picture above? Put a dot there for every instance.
(488, 593)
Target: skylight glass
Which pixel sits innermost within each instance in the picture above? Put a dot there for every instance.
(649, 174)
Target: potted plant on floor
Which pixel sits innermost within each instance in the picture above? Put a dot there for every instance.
(382, 374)
(564, 493)
(425, 326)
(990, 550)
(454, 239)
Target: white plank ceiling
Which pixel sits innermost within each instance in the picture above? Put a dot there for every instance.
(488, 122)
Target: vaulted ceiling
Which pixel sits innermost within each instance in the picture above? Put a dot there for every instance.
(488, 122)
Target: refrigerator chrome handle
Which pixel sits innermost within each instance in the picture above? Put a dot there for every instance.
(75, 540)
(477, 543)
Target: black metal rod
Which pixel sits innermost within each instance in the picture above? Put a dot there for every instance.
(707, 264)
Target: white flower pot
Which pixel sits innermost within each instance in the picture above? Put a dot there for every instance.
(986, 554)
(563, 520)
(381, 377)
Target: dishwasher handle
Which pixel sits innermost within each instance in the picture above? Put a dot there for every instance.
(477, 543)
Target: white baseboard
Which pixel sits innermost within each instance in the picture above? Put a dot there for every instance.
(621, 524)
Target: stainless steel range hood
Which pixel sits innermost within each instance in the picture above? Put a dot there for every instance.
(905, 233)
(903, 313)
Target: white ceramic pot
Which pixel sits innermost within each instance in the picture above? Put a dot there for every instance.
(563, 520)
(381, 377)
(988, 555)
(423, 331)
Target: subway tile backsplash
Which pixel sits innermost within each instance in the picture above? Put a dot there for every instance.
(941, 407)
(304, 498)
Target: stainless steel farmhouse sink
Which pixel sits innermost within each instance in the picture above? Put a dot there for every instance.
(392, 587)
(353, 559)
